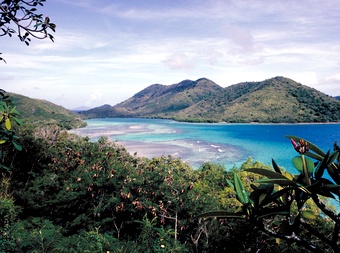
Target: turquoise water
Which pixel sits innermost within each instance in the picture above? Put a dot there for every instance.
(227, 144)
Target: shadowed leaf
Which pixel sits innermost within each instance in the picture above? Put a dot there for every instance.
(321, 166)
(267, 173)
(276, 167)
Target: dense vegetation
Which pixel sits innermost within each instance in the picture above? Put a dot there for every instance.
(62, 193)
(38, 112)
(274, 100)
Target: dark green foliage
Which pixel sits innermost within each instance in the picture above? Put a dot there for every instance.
(66, 194)
(20, 18)
(40, 112)
(81, 185)
(9, 117)
(77, 195)
(291, 207)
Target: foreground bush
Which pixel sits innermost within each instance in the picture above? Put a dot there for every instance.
(63, 193)
(293, 208)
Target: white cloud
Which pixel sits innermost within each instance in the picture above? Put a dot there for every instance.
(115, 49)
(180, 61)
(96, 95)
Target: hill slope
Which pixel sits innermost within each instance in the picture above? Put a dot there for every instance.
(42, 111)
(277, 100)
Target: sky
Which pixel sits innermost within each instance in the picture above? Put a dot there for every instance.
(105, 51)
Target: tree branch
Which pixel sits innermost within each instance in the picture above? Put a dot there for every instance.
(291, 238)
(319, 235)
(323, 207)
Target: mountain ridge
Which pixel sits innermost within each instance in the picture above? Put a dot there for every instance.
(275, 100)
(39, 111)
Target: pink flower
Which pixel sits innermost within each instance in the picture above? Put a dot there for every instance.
(301, 147)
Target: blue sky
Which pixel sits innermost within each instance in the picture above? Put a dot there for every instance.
(105, 51)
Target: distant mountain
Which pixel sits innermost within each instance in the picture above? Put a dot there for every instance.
(337, 97)
(276, 100)
(80, 109)
(42, 111)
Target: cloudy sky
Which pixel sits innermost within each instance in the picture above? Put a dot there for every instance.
(105, 51)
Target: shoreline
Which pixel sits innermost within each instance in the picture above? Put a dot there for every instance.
(224, 122)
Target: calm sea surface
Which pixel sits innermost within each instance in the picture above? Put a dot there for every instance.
(227, 144)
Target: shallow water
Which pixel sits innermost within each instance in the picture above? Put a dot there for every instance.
(227, 144)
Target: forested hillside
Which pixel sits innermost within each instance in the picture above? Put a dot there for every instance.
(274, 100)
(43, 112)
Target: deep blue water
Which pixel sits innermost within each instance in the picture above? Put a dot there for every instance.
(228, 144)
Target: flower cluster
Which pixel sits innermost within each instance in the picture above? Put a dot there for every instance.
(301, 147)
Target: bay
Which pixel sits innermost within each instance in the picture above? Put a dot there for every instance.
(197, 143)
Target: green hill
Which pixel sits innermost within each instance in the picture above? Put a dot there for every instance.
(275, 100)
(41, 111)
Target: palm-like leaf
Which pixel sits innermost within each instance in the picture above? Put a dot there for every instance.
(240, 191)
(321, 166)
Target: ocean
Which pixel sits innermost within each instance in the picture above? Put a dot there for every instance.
(197, 143)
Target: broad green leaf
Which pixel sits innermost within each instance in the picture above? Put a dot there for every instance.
(2, 141)
(240, 191)
(231, 184)
(288, 175)
(268, 173)
(8, 124)
(309, 214)
(298, 164)
(314, 156)
(284, 182)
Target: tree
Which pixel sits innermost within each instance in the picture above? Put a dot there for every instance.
(8, 211)
(8, 116)
(293, 208)
(20, 17)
